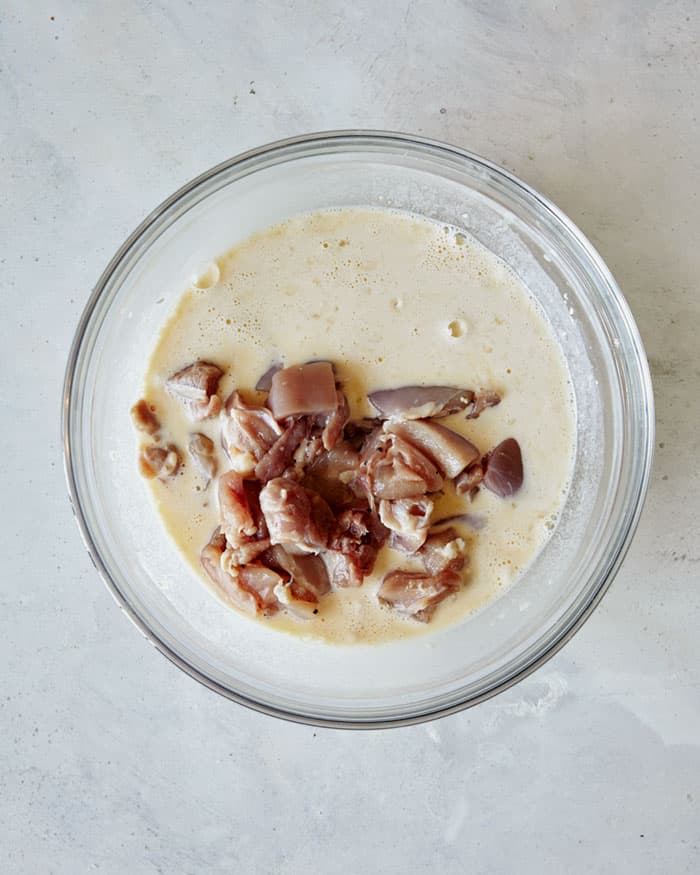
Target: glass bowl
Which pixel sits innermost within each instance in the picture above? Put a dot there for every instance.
(359, 685)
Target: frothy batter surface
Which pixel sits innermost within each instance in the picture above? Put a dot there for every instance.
(392, 300)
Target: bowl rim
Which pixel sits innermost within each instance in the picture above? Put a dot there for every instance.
(387, 138)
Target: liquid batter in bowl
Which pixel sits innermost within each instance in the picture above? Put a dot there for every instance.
(391, 299)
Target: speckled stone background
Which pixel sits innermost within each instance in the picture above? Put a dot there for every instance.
(111, 760)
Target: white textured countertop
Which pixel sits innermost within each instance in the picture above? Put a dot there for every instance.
(110, 758)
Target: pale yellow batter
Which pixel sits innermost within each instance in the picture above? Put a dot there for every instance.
(392, 300)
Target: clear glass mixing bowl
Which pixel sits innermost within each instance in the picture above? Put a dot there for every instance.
(359, 685)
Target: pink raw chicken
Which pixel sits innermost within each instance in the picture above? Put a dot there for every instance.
(504, 468)
(443, 551)
(201, 449)
(196, 387)
(331, 473)
(302, 390)
(353, 546)
(392, 468)
(448, 450)
(250, 588)
(281, 453)
(296, 517)
(417, 594)
(237, 521)
(420, 402)
(247, 433)
(306, 580)
(408, 519)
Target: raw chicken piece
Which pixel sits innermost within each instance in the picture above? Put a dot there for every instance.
(443, 551)
(212, 552)
(335, 422)
(263, 583)
(303, 389)
(237, 521)
(343, 569)
(203, 454)
(160, 462)
(330, 474)
(278, 457)
(306, 570)
(309, 450)
(448, 450)
(306, 580)
(196, 387)
(210, 558)
(417, 594)
(296, 600)
(420, 402)
(242, 520)
(357, 431)
(392, 468)
(247, 433)
(227, 585)
(504, 468)
(353, 546)
(408, 519)
(245, 552)
(144, 418)
(483, 399)
(264, 383)
(296, 517)
(251, 489)
(468, 482)
(250, 587)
